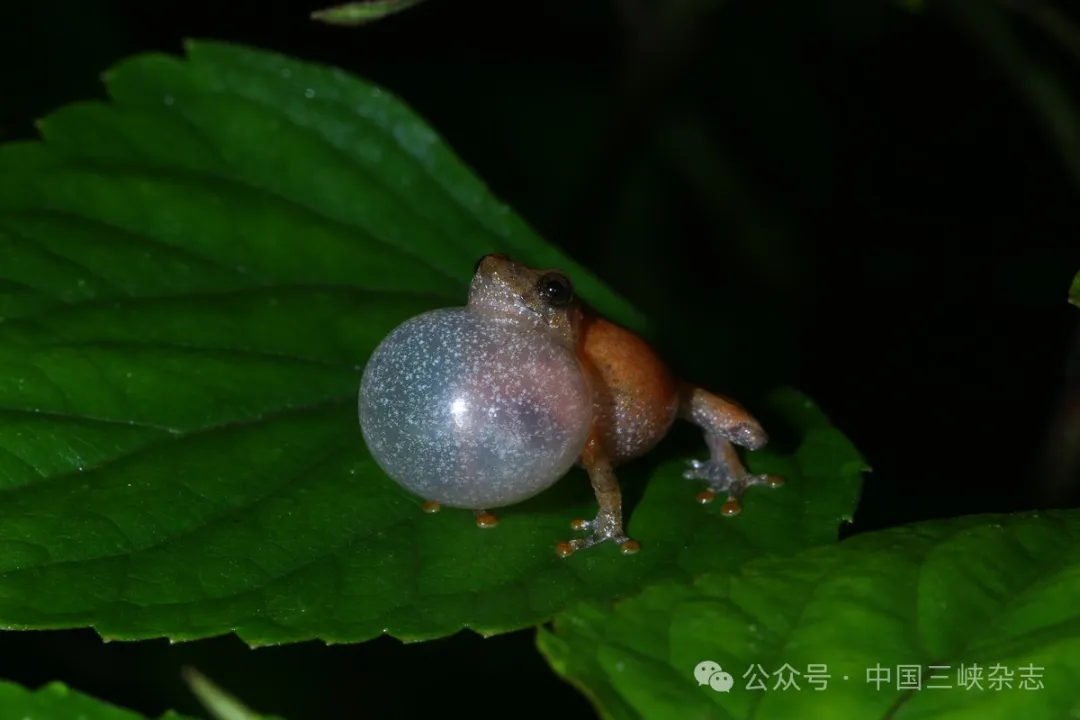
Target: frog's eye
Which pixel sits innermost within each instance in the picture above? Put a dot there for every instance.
(556, 289)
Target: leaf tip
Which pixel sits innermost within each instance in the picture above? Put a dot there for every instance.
(217, 702)
(56, 688)
(1074, 291)
(323, 16)
(106, 639)
(193, 46)
(355, 14)
(340, 15)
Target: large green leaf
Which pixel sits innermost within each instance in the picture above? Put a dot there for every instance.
(56, 701)
(193, 277)
(997, 595)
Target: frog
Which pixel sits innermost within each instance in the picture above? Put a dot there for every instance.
(636, 398)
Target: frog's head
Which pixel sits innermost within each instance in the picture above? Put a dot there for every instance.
(535, 299)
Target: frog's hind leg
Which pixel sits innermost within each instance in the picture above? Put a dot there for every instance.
(725, 424)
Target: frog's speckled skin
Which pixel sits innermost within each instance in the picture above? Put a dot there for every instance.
(487, 405)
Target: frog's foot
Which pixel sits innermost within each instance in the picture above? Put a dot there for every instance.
(724, 476)
(485, 520)
(604, 528)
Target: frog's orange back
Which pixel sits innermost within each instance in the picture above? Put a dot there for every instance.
(634, 393)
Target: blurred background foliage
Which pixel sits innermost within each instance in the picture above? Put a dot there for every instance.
(873, 201)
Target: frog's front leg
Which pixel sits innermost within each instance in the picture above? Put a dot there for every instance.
(725, 424)
(608, 524)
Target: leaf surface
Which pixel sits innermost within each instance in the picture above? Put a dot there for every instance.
(56, 701)
(970, 618)
(195, 275)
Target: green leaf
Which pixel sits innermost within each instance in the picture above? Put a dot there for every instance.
(362, 13)
(195, 275)
(56, 701)
(1074, 291)
(994, 594)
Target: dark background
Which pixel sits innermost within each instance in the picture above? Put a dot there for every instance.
(877, 206)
